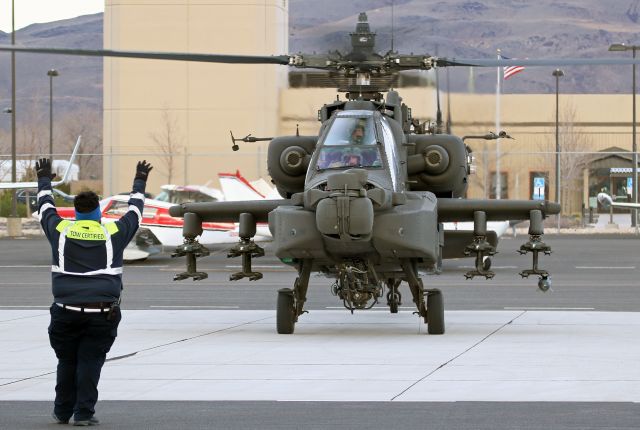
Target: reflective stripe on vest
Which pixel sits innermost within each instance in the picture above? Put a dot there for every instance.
(86, 230)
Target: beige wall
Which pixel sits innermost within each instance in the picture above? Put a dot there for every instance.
(201, 102)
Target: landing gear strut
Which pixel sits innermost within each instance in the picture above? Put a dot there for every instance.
(394, 298)
(291, 301)
(433, 309)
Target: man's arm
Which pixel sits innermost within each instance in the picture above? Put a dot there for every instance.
(128, 224)
(47, 213)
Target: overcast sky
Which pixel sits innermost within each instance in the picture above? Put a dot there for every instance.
(30, 11)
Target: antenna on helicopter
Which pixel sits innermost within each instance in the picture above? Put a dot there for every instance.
(438, 129)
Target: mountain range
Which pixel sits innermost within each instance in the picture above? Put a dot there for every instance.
(453, 28)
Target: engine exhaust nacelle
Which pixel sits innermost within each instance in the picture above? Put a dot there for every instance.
(438, 163)
(287, 161)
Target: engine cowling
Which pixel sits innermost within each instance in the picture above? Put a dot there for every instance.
(438, 163)
(288, 160)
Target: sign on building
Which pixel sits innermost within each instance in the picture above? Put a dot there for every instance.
(538, 188)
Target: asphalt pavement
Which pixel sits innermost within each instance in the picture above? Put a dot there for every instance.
(589, 273)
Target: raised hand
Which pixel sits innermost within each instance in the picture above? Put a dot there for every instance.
(43, 169)
(142, 170)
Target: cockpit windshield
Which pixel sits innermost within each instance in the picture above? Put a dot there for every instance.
(349, 156)
(350, 142)
(351, 131)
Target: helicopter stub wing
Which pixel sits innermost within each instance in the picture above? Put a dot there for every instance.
(496, 210)
(229, 211)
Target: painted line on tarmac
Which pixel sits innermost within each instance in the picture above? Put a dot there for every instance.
(25, 266)
(146, 267)
(265, 266)
(372, 310)
(539, 308)
(24, 306)
(195, 307)
(606, 267)
(493, 267)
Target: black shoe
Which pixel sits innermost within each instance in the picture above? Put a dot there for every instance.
(93, 421)
(58, 420)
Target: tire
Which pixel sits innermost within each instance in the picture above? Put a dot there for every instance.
(435, 312)
(394, 307)
(285, 320)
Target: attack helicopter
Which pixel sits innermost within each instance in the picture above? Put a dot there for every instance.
(365, 200)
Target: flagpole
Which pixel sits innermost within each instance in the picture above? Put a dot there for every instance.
(498, 176)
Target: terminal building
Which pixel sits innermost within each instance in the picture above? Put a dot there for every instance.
(179, 115)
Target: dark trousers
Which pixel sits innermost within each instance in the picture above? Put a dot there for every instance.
(81, 342)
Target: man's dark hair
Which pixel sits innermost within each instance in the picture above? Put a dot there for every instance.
(86, 201)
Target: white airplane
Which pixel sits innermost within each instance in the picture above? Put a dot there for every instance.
(158, 229)
(606, 201)
(65, 177)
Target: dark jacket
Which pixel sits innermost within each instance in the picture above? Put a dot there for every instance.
(87, 256)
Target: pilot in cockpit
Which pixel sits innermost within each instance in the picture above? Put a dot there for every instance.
(357, 135)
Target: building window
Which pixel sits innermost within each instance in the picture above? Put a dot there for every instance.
(504, 185)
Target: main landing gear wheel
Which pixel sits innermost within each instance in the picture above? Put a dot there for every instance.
(285, 312)
(435, 312)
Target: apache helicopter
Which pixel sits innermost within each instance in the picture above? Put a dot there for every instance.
(365, 200)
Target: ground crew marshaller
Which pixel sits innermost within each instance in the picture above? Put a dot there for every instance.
(86, 279)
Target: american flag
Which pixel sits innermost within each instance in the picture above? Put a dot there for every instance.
(509, 71)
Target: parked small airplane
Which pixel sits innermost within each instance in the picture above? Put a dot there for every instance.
(65, 177)
(606, 201)
(158, 229)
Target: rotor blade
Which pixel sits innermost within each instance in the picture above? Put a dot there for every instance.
(204, 58)
(446, 62)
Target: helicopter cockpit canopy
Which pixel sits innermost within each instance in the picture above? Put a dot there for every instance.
(351, 141)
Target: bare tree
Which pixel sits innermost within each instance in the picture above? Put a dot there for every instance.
(32, 133)
(574, 144)
(169, 141)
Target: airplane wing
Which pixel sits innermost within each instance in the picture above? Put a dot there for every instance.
(606, 201)
(65, 177)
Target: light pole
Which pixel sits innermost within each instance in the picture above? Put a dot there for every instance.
(618, 47)
(14, 202)
(558, 73)
(51, 73)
